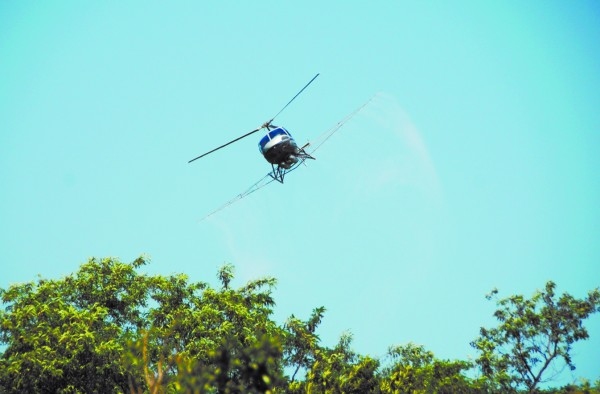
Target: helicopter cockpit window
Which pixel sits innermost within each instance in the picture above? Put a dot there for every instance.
(277, 132)
(264, 140)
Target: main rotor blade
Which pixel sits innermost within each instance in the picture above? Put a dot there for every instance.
(267, 124)
(297, 94)
(224, 145)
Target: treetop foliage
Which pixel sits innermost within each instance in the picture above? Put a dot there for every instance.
(533, 335)
(110, 328)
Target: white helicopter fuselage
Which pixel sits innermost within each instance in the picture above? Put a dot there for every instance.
(279, 148)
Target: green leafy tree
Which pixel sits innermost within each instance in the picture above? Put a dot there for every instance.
(416, 370)
(340, 370)
(109, 328)
(584, 387)
(534, 337)
(302, 342)
(220, 339)
(68, 335)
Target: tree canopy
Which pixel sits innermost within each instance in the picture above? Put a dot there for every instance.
(111, 328)
(533, 335)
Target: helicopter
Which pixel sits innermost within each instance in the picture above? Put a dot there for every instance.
(280, 149)
(277, 146)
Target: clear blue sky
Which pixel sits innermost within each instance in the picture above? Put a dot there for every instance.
(477, 166)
